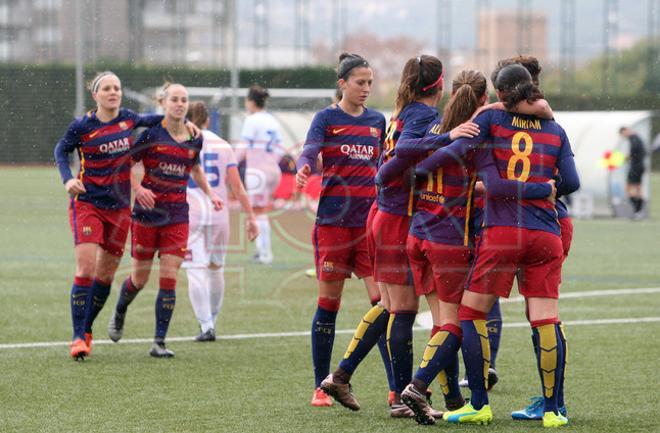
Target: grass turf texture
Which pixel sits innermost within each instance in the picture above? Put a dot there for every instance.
(265, 384)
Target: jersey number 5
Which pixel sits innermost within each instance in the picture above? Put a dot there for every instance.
(520, 155)
(210, 169)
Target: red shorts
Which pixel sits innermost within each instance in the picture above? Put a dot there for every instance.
(439, 267)
(388, 236)
(340, 251)
(566, 225)
(536, 256)
(106, 227)
(170, 239)
(371, 242)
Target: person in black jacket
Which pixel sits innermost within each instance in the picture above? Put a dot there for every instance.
(636, 160)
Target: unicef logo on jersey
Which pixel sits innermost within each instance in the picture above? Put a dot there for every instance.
(116, 146)
(358, 151)
(172, 169)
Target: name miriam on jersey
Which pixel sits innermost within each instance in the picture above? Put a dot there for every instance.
(525, 123)
(172, 169)
(116, 146)
(357, 151)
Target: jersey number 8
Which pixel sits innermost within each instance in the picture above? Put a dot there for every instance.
(520, 155)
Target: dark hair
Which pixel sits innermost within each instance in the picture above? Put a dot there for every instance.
(348, 62)
(466, 88)
(530, 63)
(421, 77)
(515, 82)
(198, 113)
(258, 95)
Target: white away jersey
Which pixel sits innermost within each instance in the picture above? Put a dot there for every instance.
(216, 156)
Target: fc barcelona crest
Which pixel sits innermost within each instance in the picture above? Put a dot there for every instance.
(191, 154)
(87, 230)
(123, 125)
(374, 132)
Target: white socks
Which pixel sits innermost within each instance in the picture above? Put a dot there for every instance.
(198, 292)
(263, 240)
(206, 289)
(216, 285)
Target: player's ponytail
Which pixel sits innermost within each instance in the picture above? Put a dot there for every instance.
(422, 76)
(468, 87)
(514, 82)
(258, 95)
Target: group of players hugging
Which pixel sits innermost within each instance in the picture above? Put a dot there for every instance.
(452, 206)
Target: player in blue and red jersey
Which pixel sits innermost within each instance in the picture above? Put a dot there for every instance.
(535, 410)
(100, 199)
(439, 240)
(520, 238)
(170, 157)
(349, 138)
(419, 93)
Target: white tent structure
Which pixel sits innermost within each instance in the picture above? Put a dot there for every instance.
(592, 133)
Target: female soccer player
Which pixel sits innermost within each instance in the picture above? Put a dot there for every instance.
(439, 246)
(520, 238)
(209, 230)
(349, 138)
(170, 157)
(261, 148)
(100, 199)
(419, 93)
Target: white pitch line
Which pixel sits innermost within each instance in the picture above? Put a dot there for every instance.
(627, 320)
(422, 319)
(592, 293)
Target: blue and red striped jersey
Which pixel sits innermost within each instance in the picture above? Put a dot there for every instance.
(395, 196)
(525, 149)
(104, 152)
(350, 148)
(443, 204)
(167, 165)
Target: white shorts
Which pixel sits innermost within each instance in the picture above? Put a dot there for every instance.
(261, 183)
(207, 245)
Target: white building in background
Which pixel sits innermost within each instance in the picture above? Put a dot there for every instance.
(136, 31)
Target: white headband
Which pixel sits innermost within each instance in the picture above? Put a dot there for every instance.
(97, 81)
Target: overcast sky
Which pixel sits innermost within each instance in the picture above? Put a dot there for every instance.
(418, 19)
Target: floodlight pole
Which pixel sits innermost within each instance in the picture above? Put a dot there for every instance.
(79, 109)
(233, 37)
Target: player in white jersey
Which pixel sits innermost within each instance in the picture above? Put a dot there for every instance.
(261, 148)
(209, 229)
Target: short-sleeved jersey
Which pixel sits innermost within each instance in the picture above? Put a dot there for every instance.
(261, 141)
(412, 122)
(444, 201)
(526, 149)
(167, 165)
(350, 147)
(104, 151)
(216, 157)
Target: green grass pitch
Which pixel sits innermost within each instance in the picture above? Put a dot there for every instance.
(249, 384)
